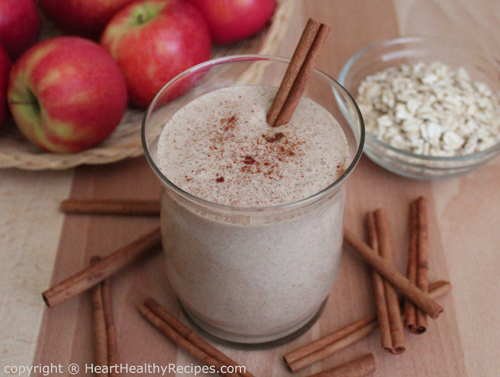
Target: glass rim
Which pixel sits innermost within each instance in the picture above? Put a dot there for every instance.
(420, 39)
(286, 206)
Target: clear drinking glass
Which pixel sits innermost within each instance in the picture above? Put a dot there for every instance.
(251, 275)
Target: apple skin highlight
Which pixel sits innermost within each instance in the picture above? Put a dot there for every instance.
(66, 94)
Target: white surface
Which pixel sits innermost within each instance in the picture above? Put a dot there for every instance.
(30, 226)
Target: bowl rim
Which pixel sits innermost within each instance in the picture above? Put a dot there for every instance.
(369, 138)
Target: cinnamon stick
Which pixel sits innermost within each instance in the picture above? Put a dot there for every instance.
(293, 357)
(303, 77)
(103, 269)
(99, 325)
(335, 342)
(397, 345)
(176, 338)
(422, 258)
(328, 345)
(360, 367)
(379, 289)
(410, 313)
(112, 347)
(297, 81)
(389, 273)
(129, 207)
(190, 335)
(298, 58)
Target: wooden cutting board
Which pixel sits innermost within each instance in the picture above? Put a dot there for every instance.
(66, 338)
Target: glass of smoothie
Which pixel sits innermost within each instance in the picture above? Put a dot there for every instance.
(251, 216)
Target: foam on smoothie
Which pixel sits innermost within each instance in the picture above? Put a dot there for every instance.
(220, 148)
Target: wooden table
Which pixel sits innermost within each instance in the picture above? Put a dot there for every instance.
(39, 246)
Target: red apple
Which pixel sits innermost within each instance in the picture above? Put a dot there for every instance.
(4, 78)
(19, 26)
(66, 94)
(87, 18)
(153, 41)
(232, 20)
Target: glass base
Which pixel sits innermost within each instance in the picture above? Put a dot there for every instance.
(248, 342)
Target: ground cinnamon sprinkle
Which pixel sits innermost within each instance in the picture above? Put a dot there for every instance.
(283, 164)
(249, 160)
(272, 150)
(229, 122)
(274, 138)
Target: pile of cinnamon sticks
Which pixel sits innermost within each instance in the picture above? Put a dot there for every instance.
(378, 254)
(419, 295)
(96, 279)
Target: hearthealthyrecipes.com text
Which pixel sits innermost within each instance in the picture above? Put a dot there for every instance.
(91, 369)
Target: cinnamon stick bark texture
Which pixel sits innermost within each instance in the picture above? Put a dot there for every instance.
(299, 55)
(422, 258)
(293, 357)
(99, 325)
(328, 345)
(112, 346)
(360, 367)
(410, 311)
(176, 338)
(298, 73)
(397, 345)
(303, 77)
(379, 289)
(129, 207)
(103, 269)
(389, 273)
(190, 335)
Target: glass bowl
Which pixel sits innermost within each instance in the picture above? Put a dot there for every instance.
(412, 50)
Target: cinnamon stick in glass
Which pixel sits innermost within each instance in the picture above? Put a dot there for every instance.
(103, 269)
(130, 207)
(397, 345)
(298, 73)
(176, 338)
(328, 345)
(360, 367)
(190, 335)
(389, 273)
(298, 58)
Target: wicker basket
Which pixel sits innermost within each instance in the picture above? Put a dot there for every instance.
(125, 141)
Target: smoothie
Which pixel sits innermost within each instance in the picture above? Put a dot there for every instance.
(254, 269)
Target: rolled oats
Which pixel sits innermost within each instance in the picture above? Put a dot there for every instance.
(430, 109)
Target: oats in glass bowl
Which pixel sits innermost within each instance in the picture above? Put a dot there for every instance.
(431, 106)
(430, 109)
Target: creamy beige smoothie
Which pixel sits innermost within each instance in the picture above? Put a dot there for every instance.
(257, 277)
